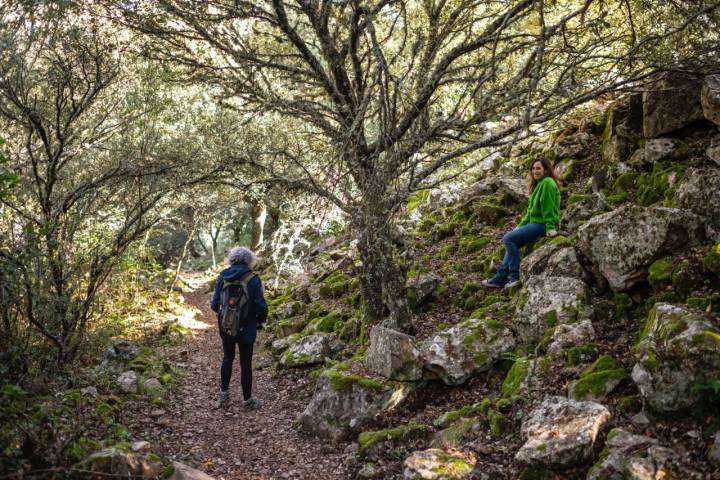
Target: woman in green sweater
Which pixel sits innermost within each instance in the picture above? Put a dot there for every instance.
(541, 218)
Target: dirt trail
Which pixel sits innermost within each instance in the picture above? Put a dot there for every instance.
(234, 444)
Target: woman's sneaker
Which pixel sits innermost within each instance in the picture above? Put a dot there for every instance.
(223, 398)
(492, 283)
(512, 283)
(251, 404)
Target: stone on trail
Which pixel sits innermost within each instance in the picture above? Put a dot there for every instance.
(561, 432)
(466, 349)
(113, 462)
(393, 355)
(624, 242)
(699, 191)
(128, 382)
(309, 350)
(547, 301)
(435, 463)
(571, 335)
(342, 403)
(184, 472)
(633, 456)
(152, 385)
(679, 347)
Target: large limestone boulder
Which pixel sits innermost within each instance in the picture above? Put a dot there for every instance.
(514, 187)
(670, 103)
(309, 350)
(553, 260)
(624, 242)
(437, 464)
(343, 403)
(393, 355)
(473, 346)
(679, 347)
(580, 212)
(547, 301)
(633, 456)
(561, 432)
(699, 191)
(710, 98)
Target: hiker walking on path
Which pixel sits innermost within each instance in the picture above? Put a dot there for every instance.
(541, 218)
(241, 311)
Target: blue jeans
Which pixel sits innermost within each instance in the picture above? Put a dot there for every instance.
(513, 240)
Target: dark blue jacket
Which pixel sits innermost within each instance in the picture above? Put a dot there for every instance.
(257, 309)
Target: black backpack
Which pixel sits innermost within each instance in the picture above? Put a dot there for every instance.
(234, 305)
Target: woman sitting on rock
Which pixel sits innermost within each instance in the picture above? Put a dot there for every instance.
(541, 218)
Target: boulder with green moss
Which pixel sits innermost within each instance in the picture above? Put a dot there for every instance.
(678, 348)
(699, 191)
(711, 262)
(327, 323)
(437, 464)
(310, 350)
(561, 432)
(660, 274)
(453, 435)
(281, 344)
(555, 259)
(598, 380)
(624, 242)
(627, 455)
(671, 102)
(571, 335)
(289, 326)
(421, 289)
(372, 444)
(516, 380)
(393, 355)
(548, 301)
(460, 352)
(343, 403)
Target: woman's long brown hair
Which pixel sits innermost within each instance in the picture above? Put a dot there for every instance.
(549, 172)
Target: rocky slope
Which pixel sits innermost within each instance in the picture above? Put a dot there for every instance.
(604, 364)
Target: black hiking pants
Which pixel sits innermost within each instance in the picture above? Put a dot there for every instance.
(246, 351)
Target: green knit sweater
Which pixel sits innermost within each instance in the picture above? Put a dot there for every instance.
(544, 205)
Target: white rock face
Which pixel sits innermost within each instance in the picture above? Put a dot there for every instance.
(309, 350)
(552, 261)
(436, 463)
(561, 432)
(342, 404)
(571, 335)
(128, 382)
(679, 349)
(699, 191)
(655, 150)
(710, 98)
(633, 456)
(624, 242)
(393, 355)
(557, 297)
(458, 353)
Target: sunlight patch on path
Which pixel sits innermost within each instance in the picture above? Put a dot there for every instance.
(187, 320)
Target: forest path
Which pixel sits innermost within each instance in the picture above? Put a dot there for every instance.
(231, 443)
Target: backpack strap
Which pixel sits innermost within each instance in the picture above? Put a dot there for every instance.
(245, 279)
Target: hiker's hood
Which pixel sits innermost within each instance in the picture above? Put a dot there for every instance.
(234, 272)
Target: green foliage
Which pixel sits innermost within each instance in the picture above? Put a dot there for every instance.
(342, 382)
(409, 432)
(499, 424)
(416, 199)
(595, 378)
(515, 377)
(711, 262)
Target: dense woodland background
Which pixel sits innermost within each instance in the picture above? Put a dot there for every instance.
(139, 140)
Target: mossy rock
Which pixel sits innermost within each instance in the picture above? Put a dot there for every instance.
(660, 274)
(686, 277)
(515, 377)
(367, 441)
(471, 244)
(625, 182)
(499, 424)
(581, 354)
(326, 324)
(453, 434)
(711, 262)
(629, 405)
(335, 285)
(577, 198)
(598, 379)
(468, 411)
(342, 382)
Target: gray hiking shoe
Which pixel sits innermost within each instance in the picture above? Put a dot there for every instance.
(251, 404)
(512, 283)
(223, 398)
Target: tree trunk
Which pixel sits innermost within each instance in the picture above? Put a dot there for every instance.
(258, 212)
(383, 278)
